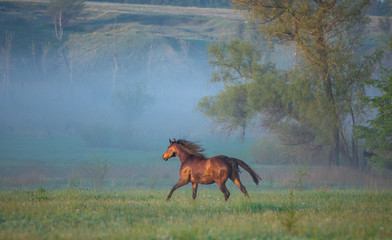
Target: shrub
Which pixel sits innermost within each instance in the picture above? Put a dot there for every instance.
(96, 171)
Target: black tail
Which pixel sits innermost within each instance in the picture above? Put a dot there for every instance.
(245, 166)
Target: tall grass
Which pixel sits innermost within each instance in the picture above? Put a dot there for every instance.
(146, 215)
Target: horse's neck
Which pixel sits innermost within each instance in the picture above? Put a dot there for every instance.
(183, 155)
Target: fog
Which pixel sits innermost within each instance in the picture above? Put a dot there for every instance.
(52, 128)
(69, 106)
(147, 109)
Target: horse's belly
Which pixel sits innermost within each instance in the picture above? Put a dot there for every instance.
(206, 179)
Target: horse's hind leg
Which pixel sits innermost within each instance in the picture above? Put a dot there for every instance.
(224, 190)
(194, 188)
(237, 182)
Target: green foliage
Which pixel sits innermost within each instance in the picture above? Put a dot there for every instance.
(228, 107)
(378, 134)
(300, 173)
(75, 182)
(131, 99)
(382, 123)
(41, 194)
(96, 171)
(248, 85)
(235, 61)
(253, 89)
(305, 22)
(289, 217)
(309, 105)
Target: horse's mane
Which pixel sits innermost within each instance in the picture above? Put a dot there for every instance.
(191, 147)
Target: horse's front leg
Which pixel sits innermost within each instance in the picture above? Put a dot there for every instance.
(194, 188)
(180, 183)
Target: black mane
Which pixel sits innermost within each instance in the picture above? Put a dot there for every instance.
(191, 147)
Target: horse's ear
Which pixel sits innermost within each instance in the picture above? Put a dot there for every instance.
(170, 141)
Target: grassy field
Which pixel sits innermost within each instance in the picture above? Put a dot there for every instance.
(28, 162)
(44, 214)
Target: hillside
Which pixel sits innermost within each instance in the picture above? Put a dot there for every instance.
(160, 50)
(146, 35)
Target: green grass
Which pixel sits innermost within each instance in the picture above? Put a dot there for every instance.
(28, 162)
(146, 215)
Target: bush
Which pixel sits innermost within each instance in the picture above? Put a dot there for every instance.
(96, 171)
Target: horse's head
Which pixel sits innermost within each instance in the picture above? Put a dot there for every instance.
(171, 150)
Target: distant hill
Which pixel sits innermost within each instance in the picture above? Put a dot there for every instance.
(146, 36)
(153, 41)
(183, 3)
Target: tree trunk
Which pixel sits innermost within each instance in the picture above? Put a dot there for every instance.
(331, 111)
(114, 54)
(334, 150)
(354, 142)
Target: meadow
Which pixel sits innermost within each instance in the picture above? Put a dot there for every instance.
(45, 194)
(144, 214)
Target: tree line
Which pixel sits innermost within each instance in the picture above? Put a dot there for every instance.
(378, 8)
(182, 3)
(318, 108)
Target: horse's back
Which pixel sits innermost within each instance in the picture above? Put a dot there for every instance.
(219, 158)
(220, 163)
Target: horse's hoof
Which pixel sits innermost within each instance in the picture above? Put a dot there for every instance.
(167, 199)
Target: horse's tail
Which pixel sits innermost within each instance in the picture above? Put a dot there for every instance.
(256, 178)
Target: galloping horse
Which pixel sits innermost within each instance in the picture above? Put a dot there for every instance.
(196, 168)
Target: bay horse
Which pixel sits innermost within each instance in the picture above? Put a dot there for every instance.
(196, 168)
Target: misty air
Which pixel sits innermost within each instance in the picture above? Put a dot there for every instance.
(219, 119)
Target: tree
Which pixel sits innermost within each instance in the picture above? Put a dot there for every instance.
(254, 90)
(115, 68)
(6, 54)
(62, 13)
(315, 27)
(318, 96)
(378, 134)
